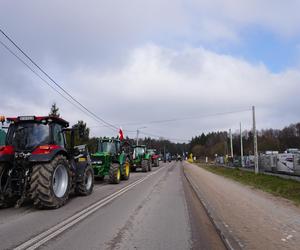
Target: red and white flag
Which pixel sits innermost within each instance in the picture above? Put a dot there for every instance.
(121, 136)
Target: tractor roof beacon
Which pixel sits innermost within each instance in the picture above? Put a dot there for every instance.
(36, 163)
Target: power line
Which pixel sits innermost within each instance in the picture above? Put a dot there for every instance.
(164, 137)
(58, 85)
(183, 118)
(45, 81)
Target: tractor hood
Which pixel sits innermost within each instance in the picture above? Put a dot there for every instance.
(99, 158)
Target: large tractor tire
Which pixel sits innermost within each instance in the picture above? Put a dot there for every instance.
(50, 183)
(126, 170)
(149, 165)
(5, 201)
(85, 187)
(114, 173)
(145, 165)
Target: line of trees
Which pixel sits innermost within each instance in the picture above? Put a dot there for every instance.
(211, 143)
(268, 139)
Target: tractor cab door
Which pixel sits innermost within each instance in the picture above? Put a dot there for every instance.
(58, 136)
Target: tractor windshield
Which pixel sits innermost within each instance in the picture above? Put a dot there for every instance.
(27, 136)
(108, 147)
(139, 151)
(151, 151)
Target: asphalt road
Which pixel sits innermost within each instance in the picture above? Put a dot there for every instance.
(154, 210)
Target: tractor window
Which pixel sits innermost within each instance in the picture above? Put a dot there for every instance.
(58, 136)
(26, 136)
(109, 147)
(118, 146)
(139, 151)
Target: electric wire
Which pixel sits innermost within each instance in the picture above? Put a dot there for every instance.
(45, 81)
(58, 85)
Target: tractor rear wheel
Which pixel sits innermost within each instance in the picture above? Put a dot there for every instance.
(149, 165)
(126, 170)
(5, 201)
(114, 173)
(85, 187)
(145, 165)
(50, 183)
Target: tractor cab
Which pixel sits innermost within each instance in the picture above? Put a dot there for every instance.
(109, 146)
(139, 151)
(36, 135)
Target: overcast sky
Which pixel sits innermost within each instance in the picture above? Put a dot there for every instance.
(132, 62)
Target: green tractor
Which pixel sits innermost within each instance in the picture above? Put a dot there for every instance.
(141, 158)
(112, 160)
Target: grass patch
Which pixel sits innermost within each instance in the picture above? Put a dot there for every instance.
(289, 189)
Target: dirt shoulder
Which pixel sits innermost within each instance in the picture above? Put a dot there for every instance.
(256, 220)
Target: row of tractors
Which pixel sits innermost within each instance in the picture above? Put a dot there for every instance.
(37, 163)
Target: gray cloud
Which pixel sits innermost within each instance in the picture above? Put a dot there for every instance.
(134, 61)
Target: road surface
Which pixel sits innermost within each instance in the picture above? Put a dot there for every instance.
(249, 218)
(154, 210)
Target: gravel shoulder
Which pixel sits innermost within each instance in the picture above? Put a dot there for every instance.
(255, 219)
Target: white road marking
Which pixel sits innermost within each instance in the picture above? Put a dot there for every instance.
(52, 232)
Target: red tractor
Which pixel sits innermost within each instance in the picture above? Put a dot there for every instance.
(154, 157)
(36, 163)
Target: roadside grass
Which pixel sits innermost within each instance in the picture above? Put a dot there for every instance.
(289, 189)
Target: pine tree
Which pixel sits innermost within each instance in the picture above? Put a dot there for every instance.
(54, 110)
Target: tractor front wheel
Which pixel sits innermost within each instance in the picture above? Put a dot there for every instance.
(149, 165)
(85, 187)
(126, 170)
(145, 165)
(114, 173)
(50, 183)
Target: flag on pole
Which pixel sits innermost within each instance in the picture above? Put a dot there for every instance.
(121, 136)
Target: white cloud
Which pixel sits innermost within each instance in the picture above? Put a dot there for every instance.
(158, 83)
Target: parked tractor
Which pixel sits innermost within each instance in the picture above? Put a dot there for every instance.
(154, 157)
(37, 164)
(141, 158)
(112, 160)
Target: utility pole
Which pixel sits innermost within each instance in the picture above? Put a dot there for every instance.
(255, 141)
(231, 146)
(137, 137)
(242, 150)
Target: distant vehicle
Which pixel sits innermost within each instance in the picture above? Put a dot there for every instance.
(292, 151)
(141, 158)
(154, 157)
(179, 157)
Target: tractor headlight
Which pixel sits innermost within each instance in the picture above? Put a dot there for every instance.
(97, 162)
